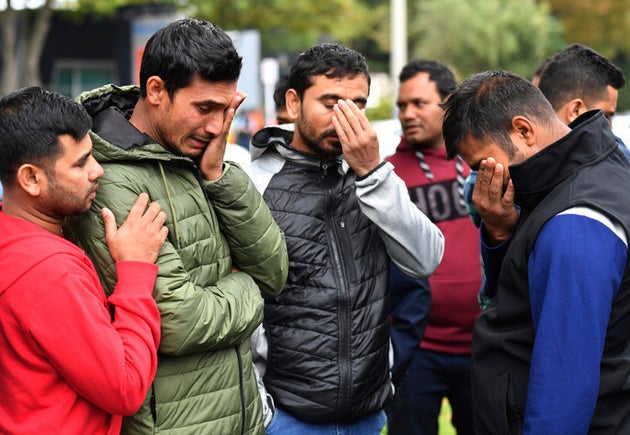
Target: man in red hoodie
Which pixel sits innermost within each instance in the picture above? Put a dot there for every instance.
(72, 361)
(436, 364)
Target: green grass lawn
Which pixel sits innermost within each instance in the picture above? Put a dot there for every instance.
(446, 428)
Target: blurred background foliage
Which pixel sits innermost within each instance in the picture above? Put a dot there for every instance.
(467, 35)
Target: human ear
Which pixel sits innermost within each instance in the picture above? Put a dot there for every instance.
(524, 129)
(575, 108)
(293, 103)
(155, 90)
(31, 179)
(572, 110)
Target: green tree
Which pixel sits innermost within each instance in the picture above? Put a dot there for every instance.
(285, 26)
(602, 25)
(24, 30)
(23, 35)
(477, 35)
(288, 25)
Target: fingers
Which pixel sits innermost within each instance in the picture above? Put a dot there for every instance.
(153, 216)
(236, 102)
(109, 221)
(239, 97)
(495, 207)
(138, 207)
(495, 185)
(157, 218)
(508, 196)
(350, 117)
(489, 184)
(480, 189)
(141, 236)
(352, 126)
(154, 213)
(341, 130)
(359, 142)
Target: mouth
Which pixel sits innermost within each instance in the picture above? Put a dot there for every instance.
(333, 141)
(92, 193)
(331, 135)
(200, 143)
(410, 129)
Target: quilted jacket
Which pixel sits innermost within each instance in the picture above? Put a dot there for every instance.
(205, 381)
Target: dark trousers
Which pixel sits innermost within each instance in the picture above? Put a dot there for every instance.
(431, 377)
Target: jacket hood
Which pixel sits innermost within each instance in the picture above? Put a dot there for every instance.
(403, 145)
(268, 137)
(113, 137)
(23, 245)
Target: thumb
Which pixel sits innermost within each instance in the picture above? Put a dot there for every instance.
(109, 222)
(508, 196)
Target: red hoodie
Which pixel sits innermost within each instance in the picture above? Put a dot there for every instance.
(456, 282)
(65, 367)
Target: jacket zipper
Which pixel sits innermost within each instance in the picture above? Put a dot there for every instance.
(241, 387)
(343, 305)
(153, 405)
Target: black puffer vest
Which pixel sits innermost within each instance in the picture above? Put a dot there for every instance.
(585, 168)
(327, 331)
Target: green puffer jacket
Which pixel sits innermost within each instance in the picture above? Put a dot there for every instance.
(205, 382)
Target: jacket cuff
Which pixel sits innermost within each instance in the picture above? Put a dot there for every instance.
(135, 276)
(372, 171)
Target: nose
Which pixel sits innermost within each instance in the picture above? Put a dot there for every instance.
(213, 124)
(96, 170)
(406, 112)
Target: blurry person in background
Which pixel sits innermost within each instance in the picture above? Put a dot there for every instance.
(279, 98)
(433, 363)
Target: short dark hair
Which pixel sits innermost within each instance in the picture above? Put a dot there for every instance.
(541, 67)
(280, 91)
(328, 59)
(578, 72)
(438, 73)
(187, 47)
(483, 106)
(31, 121)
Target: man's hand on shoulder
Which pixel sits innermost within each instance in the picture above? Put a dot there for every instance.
(141, 235)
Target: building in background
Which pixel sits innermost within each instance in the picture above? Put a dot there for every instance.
(84, 54)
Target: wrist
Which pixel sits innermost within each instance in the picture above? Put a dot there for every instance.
(214, 173)
(495, 236)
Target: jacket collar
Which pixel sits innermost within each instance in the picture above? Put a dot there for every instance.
(113, 125)
(279, 139)
(589, 141)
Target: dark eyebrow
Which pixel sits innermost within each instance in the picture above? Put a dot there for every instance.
(357, 101)
(330, 97)
(82, 159)
(211, 103)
